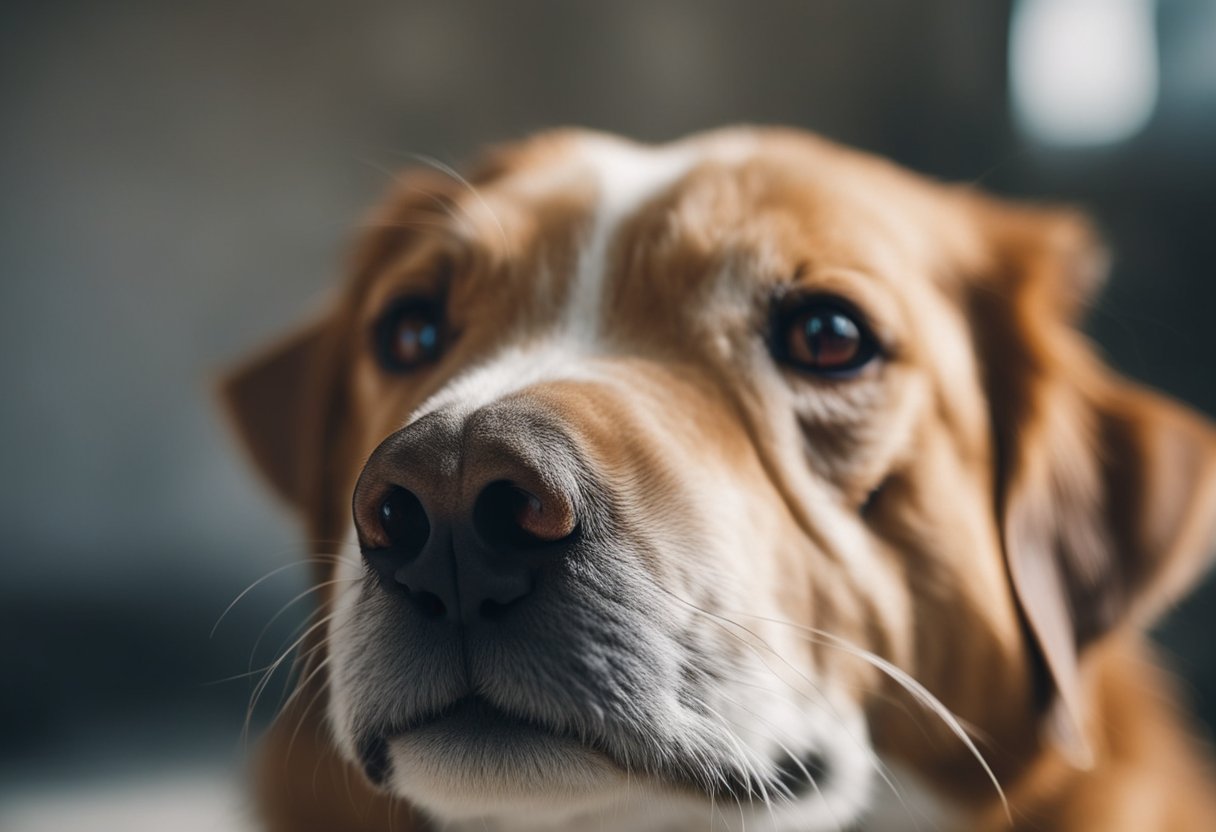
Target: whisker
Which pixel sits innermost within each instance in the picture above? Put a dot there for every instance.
(452, 172)
(792, 756)
(265, 680)
(301, 658)
(743, 762)
(302, 685)
(299, 596)
(325, 543)
(909, 683)
(874, 761)
(745, 759)
(467, 227)
(263, 579)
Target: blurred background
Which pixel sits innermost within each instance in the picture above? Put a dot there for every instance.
(179, 182)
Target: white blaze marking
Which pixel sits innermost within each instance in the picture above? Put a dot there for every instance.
(628, 177)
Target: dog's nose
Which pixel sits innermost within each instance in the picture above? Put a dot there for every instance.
(461, 518)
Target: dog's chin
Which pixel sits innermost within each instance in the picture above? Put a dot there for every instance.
(474, 761)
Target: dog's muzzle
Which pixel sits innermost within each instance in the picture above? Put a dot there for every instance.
(519, 627)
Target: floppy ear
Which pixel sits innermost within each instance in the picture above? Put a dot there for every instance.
(1106, 491)
(278, 400)
(274, 401)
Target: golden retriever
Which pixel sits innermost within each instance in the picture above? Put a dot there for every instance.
(743, 482)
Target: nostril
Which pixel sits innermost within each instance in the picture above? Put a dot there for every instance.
(507, 515)
(404, 521)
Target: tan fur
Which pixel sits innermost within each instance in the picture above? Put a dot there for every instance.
(1026, 511)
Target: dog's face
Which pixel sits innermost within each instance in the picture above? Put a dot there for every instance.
(670, 466)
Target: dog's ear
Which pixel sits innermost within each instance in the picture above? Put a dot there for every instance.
(1106, 491)
(281, 401)
(272, 400)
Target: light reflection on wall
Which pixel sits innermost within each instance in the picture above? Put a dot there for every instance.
(1083, 72)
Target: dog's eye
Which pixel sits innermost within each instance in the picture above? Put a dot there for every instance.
(409, 334)
(824, 337)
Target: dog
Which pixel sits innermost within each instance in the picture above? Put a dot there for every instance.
(742, 482)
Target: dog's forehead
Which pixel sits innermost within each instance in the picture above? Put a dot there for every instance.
(735, 192)
(601, 186)
(622, 174)
(618, 179)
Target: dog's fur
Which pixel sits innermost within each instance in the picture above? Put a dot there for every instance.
(978, 525)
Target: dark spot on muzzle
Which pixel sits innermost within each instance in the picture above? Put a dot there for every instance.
(373, 754)
(802, 774)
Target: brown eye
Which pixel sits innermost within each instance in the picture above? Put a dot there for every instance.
(408, 335)
(823, 337)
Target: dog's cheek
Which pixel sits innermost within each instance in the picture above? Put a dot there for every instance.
(342, 635)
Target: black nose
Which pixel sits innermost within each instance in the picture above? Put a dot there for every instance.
(461, 518)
